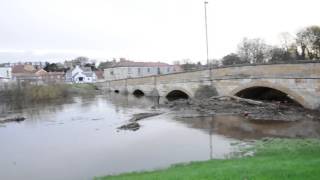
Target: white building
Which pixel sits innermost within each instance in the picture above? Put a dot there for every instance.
(129, 69)
(6, 73)
(81, 75)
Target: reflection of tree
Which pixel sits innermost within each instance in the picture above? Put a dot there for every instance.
(47, 110)
(240, 128)
(88, 99)
(35, 110)
(130, 101)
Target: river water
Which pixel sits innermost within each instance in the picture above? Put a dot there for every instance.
(77, 139)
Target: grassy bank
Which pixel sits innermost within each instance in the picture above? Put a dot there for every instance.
(273, 159)
(46, 92)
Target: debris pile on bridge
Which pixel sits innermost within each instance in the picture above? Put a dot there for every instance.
(258, 111)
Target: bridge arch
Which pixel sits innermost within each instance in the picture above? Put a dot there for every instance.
(178, 93)
(258, 88)
(138, 93)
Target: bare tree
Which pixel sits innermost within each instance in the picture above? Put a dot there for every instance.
(177, 62)
(286, 40)
(308, 41)
(278, 54)
(253, 50)
(81, 60)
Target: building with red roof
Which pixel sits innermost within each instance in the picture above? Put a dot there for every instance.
(28, 73)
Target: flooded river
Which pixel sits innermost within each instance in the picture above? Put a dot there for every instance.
(78, 139)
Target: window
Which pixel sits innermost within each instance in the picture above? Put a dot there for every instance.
(168, 69)
(129, 70)
(139, 70)
(111, 72)
(148, 70)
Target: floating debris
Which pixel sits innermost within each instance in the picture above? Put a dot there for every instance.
(133, 125)
(12, 119)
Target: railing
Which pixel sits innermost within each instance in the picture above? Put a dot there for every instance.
(231, 66)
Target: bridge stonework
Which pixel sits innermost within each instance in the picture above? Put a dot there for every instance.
(301, 82)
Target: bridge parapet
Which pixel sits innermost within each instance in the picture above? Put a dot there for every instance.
(309, 70)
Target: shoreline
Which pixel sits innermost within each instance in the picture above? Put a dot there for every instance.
(272, 159)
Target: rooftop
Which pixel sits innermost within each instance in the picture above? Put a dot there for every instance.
(25, 69)
(127, 63)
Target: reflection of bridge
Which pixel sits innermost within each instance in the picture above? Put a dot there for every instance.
(299, 82)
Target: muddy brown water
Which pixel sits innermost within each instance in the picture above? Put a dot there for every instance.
(78, 139)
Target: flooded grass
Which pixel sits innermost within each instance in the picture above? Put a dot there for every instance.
(273, 159)
(38, 93)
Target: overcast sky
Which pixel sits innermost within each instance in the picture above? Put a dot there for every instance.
(143, 30)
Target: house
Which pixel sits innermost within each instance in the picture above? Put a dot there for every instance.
(50, 77)
(6, 73)
(55, 77)
(80, 75)
(130, 69)
(29, 74)
(22, 72)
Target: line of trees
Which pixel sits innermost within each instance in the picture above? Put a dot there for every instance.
(305, 45)
(81, 61)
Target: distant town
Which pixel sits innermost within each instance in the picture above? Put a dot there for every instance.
(81, 70)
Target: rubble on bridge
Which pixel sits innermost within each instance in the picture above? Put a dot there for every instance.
(257, 111)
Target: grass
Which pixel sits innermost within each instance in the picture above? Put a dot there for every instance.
(273, 159)
(39, 93)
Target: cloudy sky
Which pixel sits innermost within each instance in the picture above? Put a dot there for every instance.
(144, 30)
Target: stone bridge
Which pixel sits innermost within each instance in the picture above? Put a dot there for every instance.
(297, 82)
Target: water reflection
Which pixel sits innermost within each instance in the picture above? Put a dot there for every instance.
(210, 138)
(129, 101)
(241, 128)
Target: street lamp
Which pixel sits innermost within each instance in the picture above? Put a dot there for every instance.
(206, 27)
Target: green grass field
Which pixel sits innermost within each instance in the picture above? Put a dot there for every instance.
(273, 159)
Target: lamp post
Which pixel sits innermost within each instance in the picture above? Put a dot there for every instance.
(206, 27)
